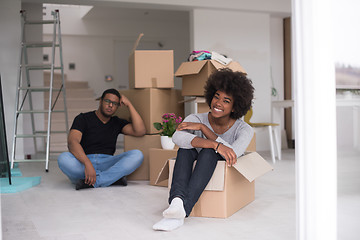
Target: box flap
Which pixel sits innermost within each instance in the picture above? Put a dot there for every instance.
(136, 43)
(194, 99)
(252, 166)
(217, 65)
(163, 174)
(188, 68)
(235, 66)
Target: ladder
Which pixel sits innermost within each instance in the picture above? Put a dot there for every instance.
(25, 90)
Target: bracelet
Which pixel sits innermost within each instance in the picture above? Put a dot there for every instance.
(217, 147)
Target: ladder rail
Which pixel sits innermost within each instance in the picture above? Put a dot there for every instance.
(51, 92)
(63, 86)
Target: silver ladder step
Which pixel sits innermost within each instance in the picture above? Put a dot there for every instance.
(52, 132)
(31, 160)
(30, 135)
(40, 22)
(39, 89)
(39, 111)
(41, 67)
(39, 44)
(39, 134)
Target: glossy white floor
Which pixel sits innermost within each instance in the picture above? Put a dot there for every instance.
(53, 210)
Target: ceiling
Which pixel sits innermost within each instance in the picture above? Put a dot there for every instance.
(118, 13)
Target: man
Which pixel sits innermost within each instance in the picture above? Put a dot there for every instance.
(92, 142)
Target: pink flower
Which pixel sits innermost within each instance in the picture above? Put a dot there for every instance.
(168, 125)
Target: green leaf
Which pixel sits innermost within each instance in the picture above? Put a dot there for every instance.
(157, 125)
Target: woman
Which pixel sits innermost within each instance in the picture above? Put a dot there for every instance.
(208, 137)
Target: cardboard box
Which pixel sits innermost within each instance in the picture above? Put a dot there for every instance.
(151, 104)
(203, 108)
(143, 144)
(195, 74)
(229, 189)
(157, 158)
(151, 68)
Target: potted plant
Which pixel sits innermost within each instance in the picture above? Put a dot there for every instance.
(167, 128)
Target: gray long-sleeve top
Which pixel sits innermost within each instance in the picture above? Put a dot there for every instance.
(237, 137)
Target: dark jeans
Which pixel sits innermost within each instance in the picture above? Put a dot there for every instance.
(188, 184)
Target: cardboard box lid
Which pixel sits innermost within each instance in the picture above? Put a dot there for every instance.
(252, 166)
(188, 68)
(164, 173)
(235, 66)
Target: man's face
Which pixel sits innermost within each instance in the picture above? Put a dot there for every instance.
(109, 104)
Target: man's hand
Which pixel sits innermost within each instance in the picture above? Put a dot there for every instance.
(124, 101)
(228, 154)
(90, 174)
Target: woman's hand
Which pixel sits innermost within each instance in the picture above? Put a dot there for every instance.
(189, 126)
(228, 154)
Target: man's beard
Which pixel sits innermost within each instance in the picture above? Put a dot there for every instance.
(104, 113)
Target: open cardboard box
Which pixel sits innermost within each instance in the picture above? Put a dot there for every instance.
(158, 157)
(151, 68)
(229, 189)
(195, 74)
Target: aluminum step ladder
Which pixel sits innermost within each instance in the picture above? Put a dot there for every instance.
(25, 90)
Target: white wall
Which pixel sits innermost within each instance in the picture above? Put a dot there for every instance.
(93, 43)
(10, 22)
(9, 59)
(244, 37)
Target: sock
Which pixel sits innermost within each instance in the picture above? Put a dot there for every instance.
(168, 224)
(122, 181)
(176, 209)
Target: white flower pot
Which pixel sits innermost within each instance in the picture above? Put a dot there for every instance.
(167, 143)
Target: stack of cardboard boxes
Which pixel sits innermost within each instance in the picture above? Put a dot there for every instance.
(151, 81)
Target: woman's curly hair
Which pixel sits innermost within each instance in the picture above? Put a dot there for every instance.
(235, 84)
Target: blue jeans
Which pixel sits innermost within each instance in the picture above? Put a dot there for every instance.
(188, 184)
(108, 168)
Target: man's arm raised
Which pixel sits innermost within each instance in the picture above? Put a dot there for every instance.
(136, 127)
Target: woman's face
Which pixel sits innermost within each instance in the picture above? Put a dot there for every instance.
(221, 104)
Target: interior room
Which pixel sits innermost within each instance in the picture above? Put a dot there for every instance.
(313, 169)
